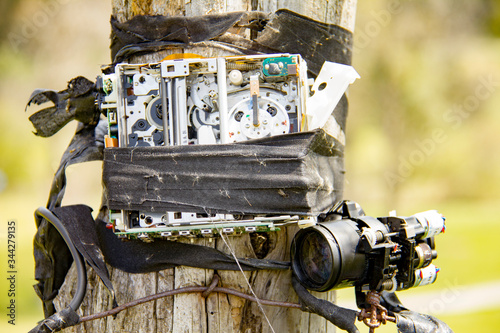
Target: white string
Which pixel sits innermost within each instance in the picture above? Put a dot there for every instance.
(242, 272)
(248, 283)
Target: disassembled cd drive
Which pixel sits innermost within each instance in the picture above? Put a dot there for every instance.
(202, 101)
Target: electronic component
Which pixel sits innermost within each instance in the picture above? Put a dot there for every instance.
(371, 254)
(208, 100)
(201, 101)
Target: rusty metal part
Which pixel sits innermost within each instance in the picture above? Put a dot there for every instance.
(212, 287)
(213, 284)
(376, 315)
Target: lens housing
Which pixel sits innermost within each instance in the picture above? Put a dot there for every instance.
(349, 249)
(324, 256)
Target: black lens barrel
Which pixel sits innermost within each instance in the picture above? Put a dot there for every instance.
(325, 257)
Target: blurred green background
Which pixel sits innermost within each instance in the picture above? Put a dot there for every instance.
(423, 133)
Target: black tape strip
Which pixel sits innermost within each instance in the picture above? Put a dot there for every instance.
(136, 256)
(180, 30)
(78, 221)
(52, 257)
(283, 31)
(58, 321)
(391, 302)
(317, 42)
(76, 102)
(290, 174)
(339, 316)
(414, 322)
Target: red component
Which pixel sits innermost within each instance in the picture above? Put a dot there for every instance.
(109, 226)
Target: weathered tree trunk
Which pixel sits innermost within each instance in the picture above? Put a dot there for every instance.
(218, 312)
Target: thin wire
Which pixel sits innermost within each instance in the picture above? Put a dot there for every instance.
(243, 273)
(172, 292)
(248, 283)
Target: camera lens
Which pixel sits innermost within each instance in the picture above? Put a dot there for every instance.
(316, 258)
(348, 249)
(325, 256)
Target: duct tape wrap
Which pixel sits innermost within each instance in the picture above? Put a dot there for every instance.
(281, 32)
(289, 174)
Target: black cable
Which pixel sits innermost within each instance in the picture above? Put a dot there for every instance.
(341, 317)
(77, 257)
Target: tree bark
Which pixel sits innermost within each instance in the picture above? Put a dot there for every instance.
(217, 312)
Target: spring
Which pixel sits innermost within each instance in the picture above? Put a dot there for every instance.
(388, 284)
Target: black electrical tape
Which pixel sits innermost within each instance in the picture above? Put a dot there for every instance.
(341, 317)
(391, 302)
(292, 174)
(62, 319)
(171, 30)
(410, 321)
(414, 322)
(98, 243)
(52, 256)
(87, 145)
(76, 102)
(281, 32)
(77, 221)
(139, 257)
(80, 264)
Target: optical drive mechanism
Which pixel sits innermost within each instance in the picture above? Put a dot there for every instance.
(201, 101)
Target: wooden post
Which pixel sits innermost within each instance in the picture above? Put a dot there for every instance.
(219, 312)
